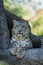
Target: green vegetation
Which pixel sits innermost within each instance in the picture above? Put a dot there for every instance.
(4, 63)
(36, 26)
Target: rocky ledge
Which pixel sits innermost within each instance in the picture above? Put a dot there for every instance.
(32, 57)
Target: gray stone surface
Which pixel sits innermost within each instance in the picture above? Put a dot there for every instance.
(32, 57)
(41, 37)
(4, 33)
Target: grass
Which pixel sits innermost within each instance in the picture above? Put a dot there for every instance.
(3, 63)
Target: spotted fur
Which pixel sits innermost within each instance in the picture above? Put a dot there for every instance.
(20, 38)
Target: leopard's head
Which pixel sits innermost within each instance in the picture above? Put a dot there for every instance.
(20, 28)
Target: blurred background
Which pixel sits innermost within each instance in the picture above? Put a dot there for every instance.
(31, 10)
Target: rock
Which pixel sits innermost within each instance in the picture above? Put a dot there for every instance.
(32, 57)
(41, 37)
(4, 33)
(36, 40)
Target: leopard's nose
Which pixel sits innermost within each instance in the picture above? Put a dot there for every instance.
(19, 30)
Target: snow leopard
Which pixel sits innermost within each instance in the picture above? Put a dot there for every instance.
(20, 38)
